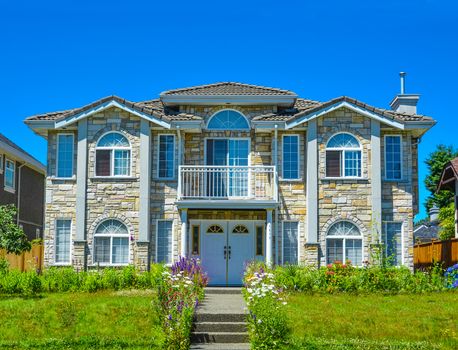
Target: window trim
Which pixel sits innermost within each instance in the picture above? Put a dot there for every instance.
(342, 158)
(69, 263)
(73, 155)
(174, 176)
(228, 109)
(11, 189)
(198, 240)
(95, 234)
(401, 154)
(283, 240)
(344, 238)
(384, 231)
(171, 242)
(256, 226)
(112, 157)
(299, 177)
(1, 163)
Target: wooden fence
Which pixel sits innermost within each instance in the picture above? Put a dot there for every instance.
(426, 254)
(26, 261)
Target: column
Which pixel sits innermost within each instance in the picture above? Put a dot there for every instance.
(269, 237)
(184, 232)
(312, 183)
(376, 177)
(145, 181)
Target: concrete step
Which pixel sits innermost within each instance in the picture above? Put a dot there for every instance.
(223, 290)
(220, 327)
(213, 317)
(221, 346)
(219, 337)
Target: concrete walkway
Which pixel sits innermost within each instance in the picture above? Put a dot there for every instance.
(220, 321)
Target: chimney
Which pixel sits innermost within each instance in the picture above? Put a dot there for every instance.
(405, 103)
(434, 214)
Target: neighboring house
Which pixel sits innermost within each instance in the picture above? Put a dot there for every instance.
(230, 172)
(22, 183)
(449, 181)
(428, 231)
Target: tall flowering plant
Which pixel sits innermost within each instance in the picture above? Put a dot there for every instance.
(179, 294)
(267, 321)
(451, 274)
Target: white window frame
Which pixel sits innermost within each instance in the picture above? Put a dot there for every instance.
(112, 157)
(173, 177)
(342, 157)
(344, 238)
(8, 188)
(57, 155)
(299, 177)
(111, 236)
(228, 109)
(171, 242)
(385, 236)
(70, 255)
(400, 155)
(283, 240)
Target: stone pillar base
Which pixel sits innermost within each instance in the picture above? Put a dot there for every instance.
(79, 260)
(312, 254)
(142, 261)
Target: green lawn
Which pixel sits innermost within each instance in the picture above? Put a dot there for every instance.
(374, 321)
(110, 320)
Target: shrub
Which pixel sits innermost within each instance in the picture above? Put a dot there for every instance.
(452, 276)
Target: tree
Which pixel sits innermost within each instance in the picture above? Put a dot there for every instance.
(447, 221)
(436, 162)
(12, 237)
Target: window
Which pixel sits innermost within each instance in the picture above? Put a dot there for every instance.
(111, 243)
(392, 239)
(259, 240)
(195, 240)
(164, 241)
(113, 155)
(344, 243)
(290, 240)
(10, 171)
(228, 120)
(290, 156)
(63, 240)
(343, 156)
(393, 157)
(240, 229)
(166, 156)
(1, 163)
(215, 229)
(65, 146)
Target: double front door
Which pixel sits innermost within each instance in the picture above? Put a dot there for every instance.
(226, 248)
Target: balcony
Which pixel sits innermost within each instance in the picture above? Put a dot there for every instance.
(227, 186)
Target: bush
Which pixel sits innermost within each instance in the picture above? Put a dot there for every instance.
(452, 277)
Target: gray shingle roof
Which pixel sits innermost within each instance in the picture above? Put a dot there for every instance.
(7, 141)
(228, 88)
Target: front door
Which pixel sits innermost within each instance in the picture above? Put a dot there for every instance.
(226, 248)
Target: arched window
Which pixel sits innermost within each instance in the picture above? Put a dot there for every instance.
(215, 229)
(228, 119)
(112, 155)
(240, 229)
(111, 243)
(343, 156)
(344, 242)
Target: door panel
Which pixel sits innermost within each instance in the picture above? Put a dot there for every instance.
(212, 255)
(241, 243)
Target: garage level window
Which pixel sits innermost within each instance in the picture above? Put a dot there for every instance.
(393, 157)
(344, 243)
(65, 144)
(392, 241)
(111, 243)
(10, 174)
(343, 156)
(63, 239)
(290, 241)
(113, 153)
(164, 241)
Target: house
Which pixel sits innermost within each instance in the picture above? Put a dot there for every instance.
(230, 172)
(449, 181)
(22, 183)
(429, 228)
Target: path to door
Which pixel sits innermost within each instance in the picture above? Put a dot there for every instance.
(220, 321)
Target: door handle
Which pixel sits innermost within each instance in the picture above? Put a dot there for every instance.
(229, 252)
(225, 252)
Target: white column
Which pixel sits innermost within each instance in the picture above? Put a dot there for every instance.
(184, 232)
(145, 181)
(376, 177)
(312, 182)
(81, 181)
(269, 237)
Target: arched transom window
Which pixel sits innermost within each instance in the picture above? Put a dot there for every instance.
(240, 229)
(215, 229)
(111, 243)
(228, 119)
(113, 155)
(344, 243)
(343, 156)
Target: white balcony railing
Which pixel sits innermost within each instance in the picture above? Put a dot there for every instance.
(209, 182)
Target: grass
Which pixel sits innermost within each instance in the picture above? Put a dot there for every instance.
(342, 321)
(104, 320)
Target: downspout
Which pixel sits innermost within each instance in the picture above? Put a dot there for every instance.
(19, 192)
(276, 179)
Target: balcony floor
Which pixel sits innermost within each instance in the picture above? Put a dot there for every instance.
(226, 204)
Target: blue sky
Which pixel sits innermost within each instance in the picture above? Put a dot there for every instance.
(61, 54)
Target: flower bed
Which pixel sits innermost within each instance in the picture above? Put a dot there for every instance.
(452, 277)
(179, 294)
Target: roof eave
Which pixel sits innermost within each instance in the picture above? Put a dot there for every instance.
(23, 158)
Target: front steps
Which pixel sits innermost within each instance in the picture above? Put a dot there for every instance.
(220, 321)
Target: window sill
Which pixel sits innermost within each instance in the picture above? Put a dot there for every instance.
(350, 179)
(62, 264)
(56, 178)
(9, 189)
(113, 178)
(290, 180)
(108, 265)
